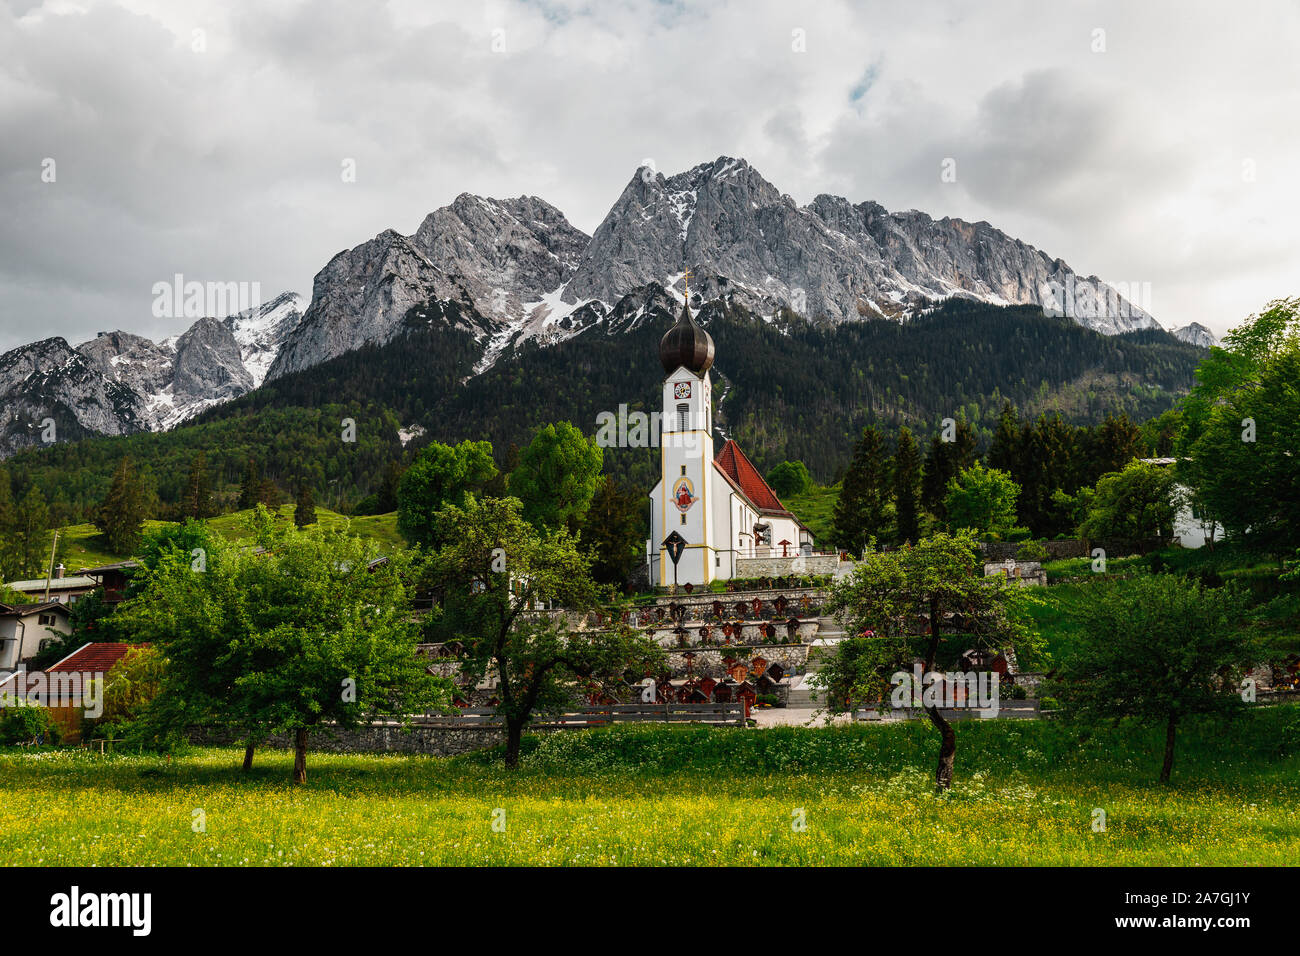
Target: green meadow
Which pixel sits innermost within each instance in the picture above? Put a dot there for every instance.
(1027, 792)
(85, 547)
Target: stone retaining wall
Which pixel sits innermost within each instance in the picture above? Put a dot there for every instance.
(775, 567)
(379, 738)
(1056, 550)
(1073, 548)
(793, 659)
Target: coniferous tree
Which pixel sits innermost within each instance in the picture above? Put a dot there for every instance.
(304, 512)
(861, 513)
(1114, 443)
(29, 534)
(121, 514)
(197, 501)
(251, 487)
(612, 530)
(907, 487)
(946, 461)
(1050, 466)
(1004, 451)
(386, 496)
(268, 493)
(8, 556)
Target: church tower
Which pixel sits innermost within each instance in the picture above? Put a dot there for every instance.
(686, 454)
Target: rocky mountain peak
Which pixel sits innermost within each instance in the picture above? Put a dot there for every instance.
(831, 259)
(120, 382)
(1196, 334)
(262, 330)
(499, 256)
(50, 380)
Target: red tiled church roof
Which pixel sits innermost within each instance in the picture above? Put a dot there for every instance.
(733, 463)
(94, 658)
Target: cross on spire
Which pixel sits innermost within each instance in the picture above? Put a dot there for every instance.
(687, 277)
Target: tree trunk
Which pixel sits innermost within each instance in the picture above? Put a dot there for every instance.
(947, 748)
(300, 755)
(1168, 767)
(948, 738)
(514, 734)
(248, 756)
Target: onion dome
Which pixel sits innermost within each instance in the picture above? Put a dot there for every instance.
(686, 344)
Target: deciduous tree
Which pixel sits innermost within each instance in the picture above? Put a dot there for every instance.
(984, 501)
(1160, 649)
(490, 577)
(557, 476)
(440, 476)
(931, 602)
(1243, 441)
(1138, 502)
(790, 478)
(309, 633)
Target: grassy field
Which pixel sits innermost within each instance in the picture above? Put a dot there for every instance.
(86, 547)
(1055, 612)
(1275, 613)
(816, 509)
(1027, 794)
(1226, 560)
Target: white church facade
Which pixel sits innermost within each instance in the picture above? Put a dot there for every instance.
(718, 506)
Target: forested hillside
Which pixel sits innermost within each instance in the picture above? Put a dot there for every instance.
(787, 389)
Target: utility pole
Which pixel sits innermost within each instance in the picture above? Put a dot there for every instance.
(49, 573)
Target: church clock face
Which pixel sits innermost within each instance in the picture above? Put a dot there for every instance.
(681, 390)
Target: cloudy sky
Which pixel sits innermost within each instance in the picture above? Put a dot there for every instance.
(1150, 143)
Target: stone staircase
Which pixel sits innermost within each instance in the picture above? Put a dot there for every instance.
(829, 634)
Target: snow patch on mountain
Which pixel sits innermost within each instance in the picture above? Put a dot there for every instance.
(1196, 334)
(261, 331)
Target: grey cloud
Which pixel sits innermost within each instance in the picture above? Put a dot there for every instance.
(225, 164)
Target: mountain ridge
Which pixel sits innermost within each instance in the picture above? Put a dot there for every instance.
(119, 382)
(513, 271)
(740, 236)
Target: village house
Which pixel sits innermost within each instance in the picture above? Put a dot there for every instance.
(65, 589)
(1190, 528)
(73, 688)
(112, 578)
(27, 629)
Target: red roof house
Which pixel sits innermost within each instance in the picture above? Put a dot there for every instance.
(94, 658)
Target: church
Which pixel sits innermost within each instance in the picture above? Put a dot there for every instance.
(711, 511)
